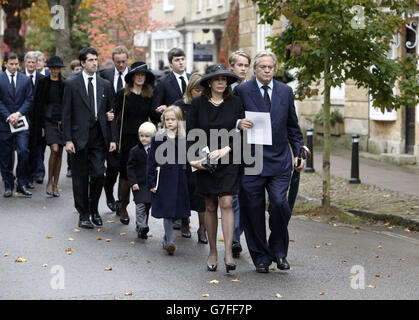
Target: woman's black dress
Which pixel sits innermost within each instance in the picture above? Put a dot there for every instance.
(197, 202)
(53, 114)
(204, 115)
(137, 111)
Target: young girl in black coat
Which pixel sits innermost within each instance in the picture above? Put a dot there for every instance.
(166, 174)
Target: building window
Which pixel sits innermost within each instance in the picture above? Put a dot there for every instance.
(209, 4)
(198, 5)
(263, 31)
(168, 5)
(220, 3)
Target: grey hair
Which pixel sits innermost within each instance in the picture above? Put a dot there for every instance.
(31, 55)
(265, 54)
(40, 55)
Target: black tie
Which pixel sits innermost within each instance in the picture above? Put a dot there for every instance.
(119, 85)
(266, 97)
(13, 84)
(91, 97)
(183, 84)
(31, 76)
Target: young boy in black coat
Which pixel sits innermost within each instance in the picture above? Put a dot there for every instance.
(136, 172)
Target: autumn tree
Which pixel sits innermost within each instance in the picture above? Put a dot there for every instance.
(41, 36)
(332, 41)
(12, 38)
(116, 22)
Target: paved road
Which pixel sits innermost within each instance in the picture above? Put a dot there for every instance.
(143, 268)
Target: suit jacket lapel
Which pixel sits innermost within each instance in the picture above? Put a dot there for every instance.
(6, 80)
(175, 83)
(257, 97)
(82, 90)
(277, 97)
(99, 93)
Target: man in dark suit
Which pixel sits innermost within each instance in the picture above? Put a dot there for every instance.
(263, 94)
(41, 62)
(88, 135)
(15, 101)
(36, 168)
(172, 86)
(116, 76)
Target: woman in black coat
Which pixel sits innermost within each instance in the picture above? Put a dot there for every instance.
(217, 109)
(48, 105)
(197, 202)
(132, 108)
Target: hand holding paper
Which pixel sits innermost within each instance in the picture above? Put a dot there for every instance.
(261, 132)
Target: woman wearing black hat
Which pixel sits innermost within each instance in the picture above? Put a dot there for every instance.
(48, 103)
(218, 109)
(132, 108)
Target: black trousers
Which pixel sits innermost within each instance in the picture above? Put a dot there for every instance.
(88, 169)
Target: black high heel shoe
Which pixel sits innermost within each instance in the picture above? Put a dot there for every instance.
(230, 266)
(212, 267)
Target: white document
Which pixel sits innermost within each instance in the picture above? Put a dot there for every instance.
(22, 124)
(261, 133)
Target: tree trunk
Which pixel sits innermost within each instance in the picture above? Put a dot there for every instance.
(326, 135)
(12, 37)
(63, 34)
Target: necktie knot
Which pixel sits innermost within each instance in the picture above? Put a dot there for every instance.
(182, 79)
(266, 97)
(90, 79)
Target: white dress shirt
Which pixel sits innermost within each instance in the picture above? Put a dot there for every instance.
(262, 91)
(179, 81)
(29, 75)
(86, 83)
(9, 75)
(116, 76)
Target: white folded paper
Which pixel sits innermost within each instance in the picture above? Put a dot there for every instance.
(261, 132)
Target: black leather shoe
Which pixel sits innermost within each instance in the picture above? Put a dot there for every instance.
(23, 191)
(39, 180)
(96, 219)
(8, 193)
(236, 248)
(142, 233)
(85, 224)
(124, 221)
(112, 206)
(30, 185)
(283, 264)
(69, 173)
(262, 268)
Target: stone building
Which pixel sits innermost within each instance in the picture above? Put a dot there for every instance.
(196, 26)
(394, 135)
